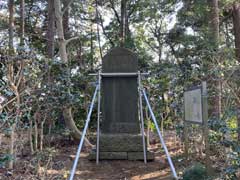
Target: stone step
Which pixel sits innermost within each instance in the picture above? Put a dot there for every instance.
(132, 156)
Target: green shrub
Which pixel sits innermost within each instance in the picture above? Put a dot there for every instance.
(196, 172)
(4, 159)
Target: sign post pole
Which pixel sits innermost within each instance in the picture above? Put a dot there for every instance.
(205, 126)
(186, 146)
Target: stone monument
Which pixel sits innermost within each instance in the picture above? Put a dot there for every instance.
(120, 136)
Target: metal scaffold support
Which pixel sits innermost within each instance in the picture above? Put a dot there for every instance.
(141, 117)
(83, 135)
(98, 118)
(141, 92)
(160, 136)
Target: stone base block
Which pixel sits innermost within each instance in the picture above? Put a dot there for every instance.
(120, 147)
(108, 155)
(132, 156)
(120, 143)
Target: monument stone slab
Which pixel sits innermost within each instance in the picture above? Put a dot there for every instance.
(120, 136)
(120, 97)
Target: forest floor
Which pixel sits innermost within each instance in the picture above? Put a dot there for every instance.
(55, 163)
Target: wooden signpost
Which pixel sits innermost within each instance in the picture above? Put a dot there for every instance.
(196, 112)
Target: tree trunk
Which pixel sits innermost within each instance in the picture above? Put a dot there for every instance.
(63, 55)
(10, 67)
(100, 21)
(122, 22)
(214, 22)
(66, 19)
(22, 12)
(67, 113)
(99, 18)
(11, 149)
(11, 25)
(36, 130)
(30, 136)
(126, 22)
(214, 41)
(60, 31)
(91, 47)
(50, 29)
(41, 131)
(236, 28)
(159, 50)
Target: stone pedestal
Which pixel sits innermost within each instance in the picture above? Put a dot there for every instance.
(121, 147)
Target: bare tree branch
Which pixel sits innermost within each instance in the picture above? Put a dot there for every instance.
(102, 26)
(115, 11)
(65, 9)
(71, 39)
(13, 99)
(234, 92)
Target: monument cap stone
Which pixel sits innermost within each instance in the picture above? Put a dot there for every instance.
(120, 60)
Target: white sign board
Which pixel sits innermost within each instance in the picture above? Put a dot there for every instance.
(193, 105)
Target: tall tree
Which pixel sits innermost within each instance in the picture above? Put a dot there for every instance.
(22, 16)
(60, 31)
(10, 74)
(152, 22)
(14, 78)
(214, 42)
(50, 29)
(66, 19)
(67, 110)
(214, 22)
(11, 24)
(236, 28)
(123, 22)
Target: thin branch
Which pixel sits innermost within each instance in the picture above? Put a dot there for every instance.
(3, 106)
(102, 26)
(71, 39)
(104, 32)
(154, 48)
(66, 8)
(20, 75)
(132, 8)
(115, 11)
(230, 75)
(99, 42)
(234, 93)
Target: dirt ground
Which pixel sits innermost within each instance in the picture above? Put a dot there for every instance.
(56, 162)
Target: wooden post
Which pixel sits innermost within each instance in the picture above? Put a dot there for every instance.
(185, 136)
(186, 142)
(205, 126)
